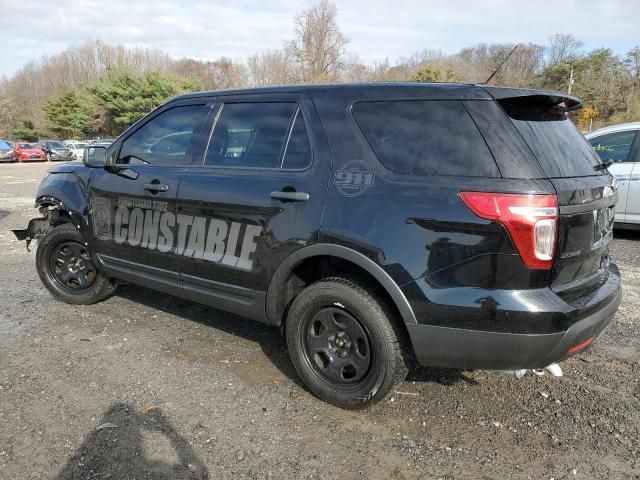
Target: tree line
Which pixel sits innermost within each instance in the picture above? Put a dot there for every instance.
(97, 89)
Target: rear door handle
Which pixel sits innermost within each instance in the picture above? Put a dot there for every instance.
(290, 196)
(156, 187)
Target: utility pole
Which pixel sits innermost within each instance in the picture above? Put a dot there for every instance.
(571, 80)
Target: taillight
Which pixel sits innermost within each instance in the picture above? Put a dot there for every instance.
(531, 220)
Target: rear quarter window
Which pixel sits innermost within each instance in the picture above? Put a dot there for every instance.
(426, 137)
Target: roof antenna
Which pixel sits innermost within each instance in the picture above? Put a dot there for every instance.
(501, 64)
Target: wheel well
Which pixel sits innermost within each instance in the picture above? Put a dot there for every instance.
(315, 268)
(56, 213)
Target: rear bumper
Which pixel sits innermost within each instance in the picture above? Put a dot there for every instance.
(437, 345)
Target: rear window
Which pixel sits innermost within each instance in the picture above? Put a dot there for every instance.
(561, 150)
(425, 138)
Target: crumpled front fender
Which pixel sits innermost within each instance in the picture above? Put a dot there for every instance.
(61, 198)
(36, 227)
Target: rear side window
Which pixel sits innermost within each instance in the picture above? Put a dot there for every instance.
(614, 146)
(425, 138)
(561, 150)
(250, 135)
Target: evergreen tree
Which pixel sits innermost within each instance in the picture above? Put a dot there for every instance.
(126, 97)
(69, 115)
(25, 131)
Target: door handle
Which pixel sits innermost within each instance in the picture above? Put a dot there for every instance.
(290, 196)
(156, 187)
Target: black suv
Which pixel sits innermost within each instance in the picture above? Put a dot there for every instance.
(377, 224)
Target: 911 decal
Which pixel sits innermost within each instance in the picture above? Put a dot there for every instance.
(354, 178)
(148, 224)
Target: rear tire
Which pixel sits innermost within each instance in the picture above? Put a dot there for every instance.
(66, 270)
(345, 344)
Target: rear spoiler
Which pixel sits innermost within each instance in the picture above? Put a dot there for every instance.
(541, 100)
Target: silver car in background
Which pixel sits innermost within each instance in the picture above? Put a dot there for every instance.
(621, 145)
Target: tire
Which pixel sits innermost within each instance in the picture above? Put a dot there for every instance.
(361, 366)
(62, 260)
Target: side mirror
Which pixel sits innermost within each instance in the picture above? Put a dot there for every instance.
(95, 157)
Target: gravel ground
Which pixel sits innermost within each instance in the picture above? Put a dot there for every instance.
(148, 386)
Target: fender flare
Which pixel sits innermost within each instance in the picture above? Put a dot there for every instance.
(326, 249)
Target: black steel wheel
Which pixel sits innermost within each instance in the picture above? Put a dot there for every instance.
(346, 343)
(337, 346)
(66, 269)
(71, 266)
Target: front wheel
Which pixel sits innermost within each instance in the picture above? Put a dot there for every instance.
(345, 343)
(66, 270)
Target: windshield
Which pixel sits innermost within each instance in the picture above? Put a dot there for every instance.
(56, 145)
(4, 145)
(79, 146)
(27, 146)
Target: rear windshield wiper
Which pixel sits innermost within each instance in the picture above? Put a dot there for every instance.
(603, 166)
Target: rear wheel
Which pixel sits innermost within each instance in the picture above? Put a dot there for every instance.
(345, 344)
(66, 269)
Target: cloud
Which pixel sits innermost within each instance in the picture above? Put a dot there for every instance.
(377, 29)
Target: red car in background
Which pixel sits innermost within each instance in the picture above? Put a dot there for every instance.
(29, 152)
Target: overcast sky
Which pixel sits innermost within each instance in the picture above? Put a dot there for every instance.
(209, 29)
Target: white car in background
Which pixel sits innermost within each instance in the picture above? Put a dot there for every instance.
(621, 145)
(77, 148)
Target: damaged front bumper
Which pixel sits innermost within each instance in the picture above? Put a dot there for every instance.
(36, 227)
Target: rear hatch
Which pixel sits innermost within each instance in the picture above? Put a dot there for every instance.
(585, 189)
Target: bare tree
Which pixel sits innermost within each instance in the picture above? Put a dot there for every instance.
(632, 61)
(319, 46)
(225, 73)
(562, 48)
(270, 68)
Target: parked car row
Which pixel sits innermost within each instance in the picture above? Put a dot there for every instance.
(46, 150)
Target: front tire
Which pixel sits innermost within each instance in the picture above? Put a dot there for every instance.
(66, 270)
(345, 344)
